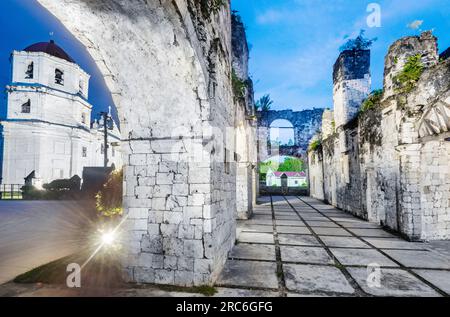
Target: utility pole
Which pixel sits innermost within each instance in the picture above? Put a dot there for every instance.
(106, 117)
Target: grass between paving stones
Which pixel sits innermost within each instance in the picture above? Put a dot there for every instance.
(204, 289)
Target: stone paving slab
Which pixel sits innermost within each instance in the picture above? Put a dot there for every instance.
(264, 252)
(257, 228)
(420, 259)
(344, 242)
(394, 282)
(325, 224)
(249, 274)
(259, 222)
(254, 237)
(293, 230)
(308, 255)
(359, 225)
(314, 278)
(286, 217)
(372, 233)
(314, 218)
(301, 240)
(292, 223)
(262, 217)
(439, 278)
(362, 257)
(395, 243)
(236, 293)
(331, 232)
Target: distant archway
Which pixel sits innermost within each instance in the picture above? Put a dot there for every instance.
(305, 125)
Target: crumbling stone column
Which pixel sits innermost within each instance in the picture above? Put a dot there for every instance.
(352, 84)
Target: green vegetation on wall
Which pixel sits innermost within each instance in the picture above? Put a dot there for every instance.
(314, 146)
(239, 86)
(372, 100)
(407, 79)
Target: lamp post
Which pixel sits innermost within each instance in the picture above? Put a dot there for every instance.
(106, 120)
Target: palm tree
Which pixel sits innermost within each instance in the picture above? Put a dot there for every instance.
(264, 103)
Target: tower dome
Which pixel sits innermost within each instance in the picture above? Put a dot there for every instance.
(50, 48)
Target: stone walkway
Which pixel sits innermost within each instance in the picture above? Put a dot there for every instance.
(302, 247)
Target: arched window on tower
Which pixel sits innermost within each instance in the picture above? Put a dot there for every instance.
(81, 87)
(59, 77)
(29, 74)
(26, 107)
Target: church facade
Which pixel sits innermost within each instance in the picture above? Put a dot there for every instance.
(48, 128)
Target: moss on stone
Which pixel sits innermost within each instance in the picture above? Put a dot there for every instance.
(373, 100)
(407, 79)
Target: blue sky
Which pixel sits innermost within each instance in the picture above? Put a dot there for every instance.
(294, 42)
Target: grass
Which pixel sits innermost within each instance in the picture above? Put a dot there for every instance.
(9, 196)
(51, 273)
(104, 272)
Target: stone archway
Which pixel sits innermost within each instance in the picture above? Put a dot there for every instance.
(167, 65)
(306, 124)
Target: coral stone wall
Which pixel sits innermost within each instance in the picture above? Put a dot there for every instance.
(391, 164)
(168, 66)
(245, 123)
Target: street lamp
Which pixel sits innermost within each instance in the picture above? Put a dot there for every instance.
(108, 124)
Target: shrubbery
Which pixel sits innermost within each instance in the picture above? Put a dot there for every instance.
(109, 198)
(407, 79)
(372, 100)
(57, 190)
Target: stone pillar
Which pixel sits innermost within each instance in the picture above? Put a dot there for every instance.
(328, 124)
(352, 82)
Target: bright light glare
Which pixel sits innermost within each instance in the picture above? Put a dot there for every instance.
(108, 238)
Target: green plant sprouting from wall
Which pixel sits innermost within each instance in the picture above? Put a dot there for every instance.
(239, 86)
(315, 145)
(373, 100)
(407, 79)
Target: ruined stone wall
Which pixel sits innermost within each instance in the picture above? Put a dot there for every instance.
(393, 165)
(168, 66)
(245, 123)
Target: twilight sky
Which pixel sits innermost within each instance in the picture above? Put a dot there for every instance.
(294, 42)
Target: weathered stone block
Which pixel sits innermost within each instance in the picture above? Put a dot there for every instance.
(152, 244)
(193, 249)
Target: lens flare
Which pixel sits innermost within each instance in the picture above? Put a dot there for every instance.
(108, 238)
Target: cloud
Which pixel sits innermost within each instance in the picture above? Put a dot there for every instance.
(415, 25)
(270, 16)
